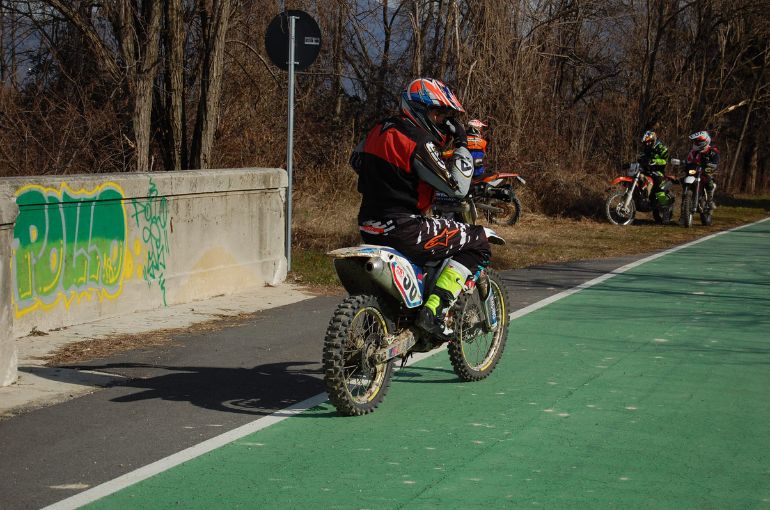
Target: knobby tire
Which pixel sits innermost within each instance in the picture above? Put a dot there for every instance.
(355, 385)
(467, 319)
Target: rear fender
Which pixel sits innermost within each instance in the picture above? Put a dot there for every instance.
(370, 268)
(496, 179)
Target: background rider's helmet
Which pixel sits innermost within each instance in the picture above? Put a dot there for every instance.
(475, 127)
(424, 94)
(649, 138)
(700, 141)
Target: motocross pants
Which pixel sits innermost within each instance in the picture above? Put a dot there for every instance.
(710, 186)
(423, 239)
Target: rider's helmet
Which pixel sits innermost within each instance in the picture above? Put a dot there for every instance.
(425, 94)
(700, 141)
(649, 138)
(475, 127)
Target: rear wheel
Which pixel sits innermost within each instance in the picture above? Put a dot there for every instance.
(616, 211)
(476, 350)
(355, 383)
(511, 211)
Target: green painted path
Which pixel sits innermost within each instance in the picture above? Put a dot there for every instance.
(649, 390)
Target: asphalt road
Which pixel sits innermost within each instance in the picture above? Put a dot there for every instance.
(179, 395)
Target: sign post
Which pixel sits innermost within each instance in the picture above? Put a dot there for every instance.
(290, 138)
(293, 41)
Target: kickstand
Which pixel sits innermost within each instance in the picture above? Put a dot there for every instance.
(405, 358)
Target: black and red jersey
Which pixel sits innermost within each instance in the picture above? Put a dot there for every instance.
(697, 158)
(386, 163)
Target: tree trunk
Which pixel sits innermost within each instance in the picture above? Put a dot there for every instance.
(175, 144)
(214, 20)
(146, 67)
(104, 58)
(384, 63)
(450, 11)
(749, 109)
(417, 39)
(338, 56)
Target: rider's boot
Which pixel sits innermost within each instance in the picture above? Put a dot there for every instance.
(448, 286)
(710, 197)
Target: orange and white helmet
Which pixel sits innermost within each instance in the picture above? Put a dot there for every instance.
(424, 94)
(475, 127)
(700, 141)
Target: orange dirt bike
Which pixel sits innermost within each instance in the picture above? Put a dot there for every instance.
(634, 196)
(493, 196)
(375, 326)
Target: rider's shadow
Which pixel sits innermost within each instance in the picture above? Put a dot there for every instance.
(260, 390)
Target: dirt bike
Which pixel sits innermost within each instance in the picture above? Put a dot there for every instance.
(694, 198)
(375, 326)
(623, 204)
(493, 195)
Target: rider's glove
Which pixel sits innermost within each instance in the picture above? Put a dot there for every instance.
(710, 168)
(457, 130)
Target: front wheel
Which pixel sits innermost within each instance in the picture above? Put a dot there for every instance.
(616, 211)
(686, 218)
(355, 383)
(477, 349)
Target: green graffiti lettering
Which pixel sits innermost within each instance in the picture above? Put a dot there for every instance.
(67, 244)
(152, 215)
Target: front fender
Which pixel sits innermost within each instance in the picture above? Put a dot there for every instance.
(492, 236)
(623, 179)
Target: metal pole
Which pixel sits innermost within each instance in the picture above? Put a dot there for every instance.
(290, 143)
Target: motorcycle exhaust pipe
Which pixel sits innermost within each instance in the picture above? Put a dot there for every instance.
(380, 273)
(490, 208)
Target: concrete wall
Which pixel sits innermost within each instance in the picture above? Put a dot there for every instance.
(87, 247)
(8, 357)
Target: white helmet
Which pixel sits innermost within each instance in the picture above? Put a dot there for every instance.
(700, 141)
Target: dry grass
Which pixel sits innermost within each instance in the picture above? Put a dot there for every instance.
(536, 239)
(86, 350)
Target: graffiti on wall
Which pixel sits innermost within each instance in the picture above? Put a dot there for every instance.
(151, 215)
(68, 245)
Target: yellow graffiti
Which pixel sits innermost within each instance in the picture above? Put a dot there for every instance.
(79, 266)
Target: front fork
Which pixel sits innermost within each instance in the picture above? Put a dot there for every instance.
(696, 195)
(488, 301)
(629, 195)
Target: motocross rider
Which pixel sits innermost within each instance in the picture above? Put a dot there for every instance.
(477, 145)
(704, 155)
(399, 167)
(653, 160)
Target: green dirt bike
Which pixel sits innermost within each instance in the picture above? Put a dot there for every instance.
(375, 326)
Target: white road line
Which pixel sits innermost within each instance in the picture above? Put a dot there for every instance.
(547, 301)
(143, 473)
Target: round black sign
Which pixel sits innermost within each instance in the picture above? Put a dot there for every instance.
(307, 40)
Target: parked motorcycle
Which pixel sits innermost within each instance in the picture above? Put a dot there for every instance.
(375, 326)
(492, 195)
(623, 204)
(694, 199)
